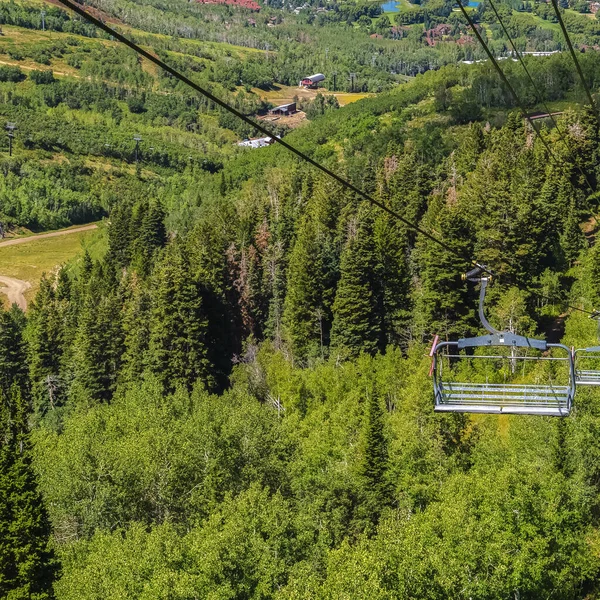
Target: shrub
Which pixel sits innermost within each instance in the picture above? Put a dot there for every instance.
(41, 77)
(9, 73)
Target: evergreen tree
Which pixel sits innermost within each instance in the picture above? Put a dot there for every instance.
(120, 235)
(572, 239)
(178, 327)
(390, 245)
(45, 335)
(304, 312)
(470, 151)
(357, 310)
(374, 467)
(13, 357)
(207, 251)
(150, 236)
(442, 302)
(501, 199)
(136, 329)
(592, 275)
(99, 342)
(27, 566)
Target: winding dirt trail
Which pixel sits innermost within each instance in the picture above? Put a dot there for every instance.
(41, 236)
(15, 288)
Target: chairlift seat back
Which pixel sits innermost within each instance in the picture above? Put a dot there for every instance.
(514, 397)
(584, 374)
(502, 398)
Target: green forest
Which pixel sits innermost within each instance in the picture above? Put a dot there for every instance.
(227, 395)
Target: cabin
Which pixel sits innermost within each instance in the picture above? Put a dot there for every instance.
(284, 110)
(313, 81)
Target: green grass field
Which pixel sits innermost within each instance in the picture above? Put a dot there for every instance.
(30, 260)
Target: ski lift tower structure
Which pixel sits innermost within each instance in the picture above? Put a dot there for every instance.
(137, 138)
(10, 132)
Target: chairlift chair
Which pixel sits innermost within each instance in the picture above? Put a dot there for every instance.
(585, 374)
(542, 399)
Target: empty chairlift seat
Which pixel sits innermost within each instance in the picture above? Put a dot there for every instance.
(502, 372)
(495, 387)
(587, 366)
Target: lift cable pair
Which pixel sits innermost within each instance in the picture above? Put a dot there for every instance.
(507, 83)
(540, 400)
(574, 57)
(540, 99)
(497, 392)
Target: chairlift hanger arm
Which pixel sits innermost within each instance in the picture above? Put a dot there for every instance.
(496, 337)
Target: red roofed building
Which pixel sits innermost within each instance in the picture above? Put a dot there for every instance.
(248, 4)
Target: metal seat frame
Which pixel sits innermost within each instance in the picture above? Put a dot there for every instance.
(587, 376)
(497, 398)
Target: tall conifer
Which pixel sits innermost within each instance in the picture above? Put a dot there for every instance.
(374, 467)
(27, 566)
(178, 351)
(302, 317)
(357, 309)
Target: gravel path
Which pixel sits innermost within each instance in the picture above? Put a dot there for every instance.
(15, 288)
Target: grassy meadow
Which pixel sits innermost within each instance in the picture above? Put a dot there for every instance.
(29, 260)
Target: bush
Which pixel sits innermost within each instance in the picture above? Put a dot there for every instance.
(42, 77)
(136, 105)
(9, 73)
(15, 54)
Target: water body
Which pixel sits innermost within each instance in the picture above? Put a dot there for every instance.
(391, 6)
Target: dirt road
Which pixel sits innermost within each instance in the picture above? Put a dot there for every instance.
(41, 236)
(15, 290)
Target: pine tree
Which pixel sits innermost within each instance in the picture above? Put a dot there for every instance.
(45, 334)
(136, 329)
(374, 467)
(442, 302)
(99, 341)
(178, 351)
(501, 199)
(150, 236)
(87, 264)
(13, 358)
(592, 275)
(572, 239)
(27, 566)
(357, 309)
(207, 251)
(120, 235)
(471, 149)
(303, 311)
(390, 245)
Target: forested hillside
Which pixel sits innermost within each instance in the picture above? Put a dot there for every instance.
(229, 397)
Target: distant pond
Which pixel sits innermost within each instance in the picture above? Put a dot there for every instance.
(393, 6)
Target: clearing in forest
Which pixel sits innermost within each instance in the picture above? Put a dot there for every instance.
(283, 94)
(24, 260)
